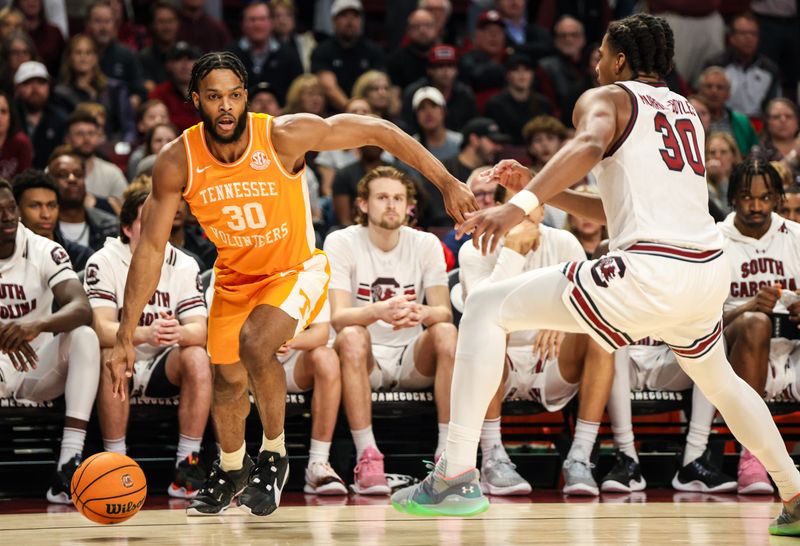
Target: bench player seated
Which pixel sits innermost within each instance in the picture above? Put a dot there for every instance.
(650, 364)
(764, 253)
(542, 366)
(170, 340)
(44, 354)
(380, 272)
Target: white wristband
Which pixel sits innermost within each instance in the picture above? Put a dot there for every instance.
(526, 200)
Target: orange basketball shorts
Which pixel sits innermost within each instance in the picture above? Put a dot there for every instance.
(299, 292)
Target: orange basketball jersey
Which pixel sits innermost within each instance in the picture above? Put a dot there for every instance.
(254, 211)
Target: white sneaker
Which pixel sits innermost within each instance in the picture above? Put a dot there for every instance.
(321, 479)
(500, 477)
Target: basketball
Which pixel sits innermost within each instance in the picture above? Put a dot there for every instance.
(108, 488)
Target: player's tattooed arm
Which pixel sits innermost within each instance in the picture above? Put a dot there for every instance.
(297, 134)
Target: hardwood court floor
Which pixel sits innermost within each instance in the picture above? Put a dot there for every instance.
(614, 521)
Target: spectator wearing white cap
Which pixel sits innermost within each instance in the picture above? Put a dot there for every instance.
(340, 60)
(43, 121)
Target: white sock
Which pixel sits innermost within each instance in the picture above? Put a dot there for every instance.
(442, 443)
(363, 438)
(276, 446)
(703, 413)
(232, 461)
(623, 438)
(71, 444)
(490, 437)
(462, 449)
(115, 445)
(186, 446)
(583, 443)
(319, 452)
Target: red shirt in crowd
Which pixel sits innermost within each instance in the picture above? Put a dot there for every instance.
(181, 112)
(16, 155)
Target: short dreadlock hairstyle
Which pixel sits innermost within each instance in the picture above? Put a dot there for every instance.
(646, 41)
(742, 178)
(213, 61)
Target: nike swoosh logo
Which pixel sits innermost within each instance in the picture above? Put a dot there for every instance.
(201, 171)
(284, 273)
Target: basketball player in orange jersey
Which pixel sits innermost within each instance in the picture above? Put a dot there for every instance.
(242, 175)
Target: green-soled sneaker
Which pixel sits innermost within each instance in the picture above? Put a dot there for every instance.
(788, 523)
(435, 496)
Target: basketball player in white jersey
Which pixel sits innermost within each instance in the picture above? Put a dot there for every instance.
(44, 354)
(171, 359)
(764, 254)
(381, 270)
(651, 365)
(543, 366)
(665, 276)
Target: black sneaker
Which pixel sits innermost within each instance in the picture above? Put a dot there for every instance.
(219, 489)
(59, 492)
(702, 476)
(262, 496)
(625, 477)
(189, 478)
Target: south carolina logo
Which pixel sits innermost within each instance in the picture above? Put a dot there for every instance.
(259, 161)
(606, 269)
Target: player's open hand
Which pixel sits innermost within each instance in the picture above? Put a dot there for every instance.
(547, 344)
(488, 226)
(15, 340)
(458, 200)
(120, 365)
(509, 173)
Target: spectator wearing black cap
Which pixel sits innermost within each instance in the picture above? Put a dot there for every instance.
(173, 92)
(200, 29)
(481, 144)
(164, 26)
(518, 102)
(263, 100)
(443, 75)
(563, 77)
(522, 36)
(262, 55)
(408, 63)
(482, 67)
(43, 121)
(116, 60)
(340, 60)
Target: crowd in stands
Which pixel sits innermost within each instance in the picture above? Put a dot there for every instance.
(90, 91)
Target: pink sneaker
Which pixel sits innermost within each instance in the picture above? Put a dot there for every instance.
(368, 477)
(753, 477)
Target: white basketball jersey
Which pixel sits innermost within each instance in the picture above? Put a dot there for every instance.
(372, 275)
(27, 279)
(652, 180)
(179, 289)
(755, 263)
(555, 246)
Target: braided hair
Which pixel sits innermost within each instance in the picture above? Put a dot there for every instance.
(646, 41)
(742, 178)
(213, 61)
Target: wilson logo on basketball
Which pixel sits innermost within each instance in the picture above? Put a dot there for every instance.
(127, 481)
(115, 508)
(259, 161)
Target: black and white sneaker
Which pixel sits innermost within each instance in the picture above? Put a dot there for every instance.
(625, 477)
(262, 495)
(702, 476)
(59, 492)
(219, 489)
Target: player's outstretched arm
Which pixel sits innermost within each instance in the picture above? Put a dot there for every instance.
(169, 178)
(595, 118)
(297, 134)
